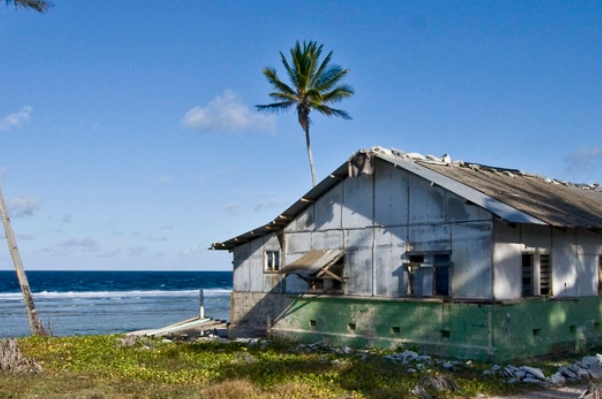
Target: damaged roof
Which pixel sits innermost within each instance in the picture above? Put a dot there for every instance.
(510, 194)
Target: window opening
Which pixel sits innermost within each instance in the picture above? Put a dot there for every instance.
(429, 274)
(272, 261)
(600, 275)
(527, 275)
(545, 274)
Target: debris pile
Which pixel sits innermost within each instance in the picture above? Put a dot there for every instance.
(590, 367)
(12, 362)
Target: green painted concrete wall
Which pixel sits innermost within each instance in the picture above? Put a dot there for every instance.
(488, 332)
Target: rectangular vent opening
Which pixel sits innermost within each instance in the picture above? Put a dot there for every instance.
(445, 333)
(351, 326)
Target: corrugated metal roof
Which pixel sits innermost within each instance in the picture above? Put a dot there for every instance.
(312, 262)
(510, 194)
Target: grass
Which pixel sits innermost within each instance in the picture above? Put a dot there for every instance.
(97, 367)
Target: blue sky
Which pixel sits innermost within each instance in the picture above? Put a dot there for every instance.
(129, 138)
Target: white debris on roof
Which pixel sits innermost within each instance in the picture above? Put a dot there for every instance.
(445, 159)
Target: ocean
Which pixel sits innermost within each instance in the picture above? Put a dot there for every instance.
(109, 302)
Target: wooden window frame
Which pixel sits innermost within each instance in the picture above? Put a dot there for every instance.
(539, 272)
(271, 261)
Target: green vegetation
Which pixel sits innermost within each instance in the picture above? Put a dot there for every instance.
(98, 367)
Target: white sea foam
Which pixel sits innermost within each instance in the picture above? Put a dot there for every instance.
(14, 296)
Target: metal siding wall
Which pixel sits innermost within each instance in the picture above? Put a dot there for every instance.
(328, 209)
(389, 247)
(536, 238)
(458, 211)
(471, 254)
(241, 275)
(430, 238)
(390, 195)
(564, 273)
(297, 243)
(256, 265)
(427, 202)
(358, 261)
(303, 222)
(507, 271)
(332, 239)
(357, 202)
(271, 280)
(588, 248)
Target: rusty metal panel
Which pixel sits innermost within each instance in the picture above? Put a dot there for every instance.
(471, 256)
(332, 239)
(360, 238)
(459, 210)
(564, 265)
(298, 242)
(302, 222)
(358, 272)
(390, 195)
(507, 272)
(357, 202)
(430, 238)
(427, 201)
(329, 208)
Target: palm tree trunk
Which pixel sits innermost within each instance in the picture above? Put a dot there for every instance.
(35, 325)
(311, 158)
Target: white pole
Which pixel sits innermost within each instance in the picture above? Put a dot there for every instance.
(202, 303)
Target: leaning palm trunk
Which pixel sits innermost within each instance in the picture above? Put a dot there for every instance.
(311, 158)
(35, 325)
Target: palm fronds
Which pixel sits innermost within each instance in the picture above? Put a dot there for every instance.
(40, 6)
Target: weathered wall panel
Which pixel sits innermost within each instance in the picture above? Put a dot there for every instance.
(564, 275)
(471, 254)
(358, 272)
(331, 239)
(507, 272)
(357, 202)
(390, 275)
(458, 210)
(536, 238)
(303, 222)
(390, 195)
(297, 243)
(329, 208)
(256, 265)
(430, 238)
(241, 274)
(427, 202)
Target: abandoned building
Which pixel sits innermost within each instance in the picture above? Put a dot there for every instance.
(447, 258)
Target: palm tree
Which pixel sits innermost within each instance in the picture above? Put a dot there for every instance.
(313, 85)
(40, 6)
(35, 325)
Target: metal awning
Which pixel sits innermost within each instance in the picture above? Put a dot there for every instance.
(315, 262)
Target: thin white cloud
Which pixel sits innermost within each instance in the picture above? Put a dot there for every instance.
(193, 251)
(17, 119)
(81, 244)
(136, 251)
(23, 206)
(228, 114)
(67, 218)
(231, 207)
(584, 163)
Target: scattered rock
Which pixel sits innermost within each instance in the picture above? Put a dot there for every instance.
(558, 379)
(537, 373)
